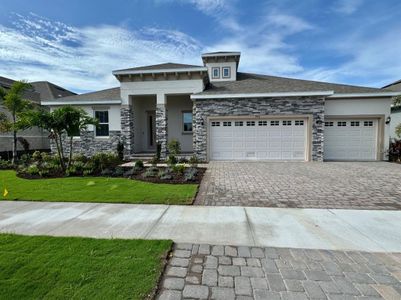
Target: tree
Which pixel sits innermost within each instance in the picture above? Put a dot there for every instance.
(64, 122)
(14, 102)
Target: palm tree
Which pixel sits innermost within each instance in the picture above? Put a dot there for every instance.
(14, 102)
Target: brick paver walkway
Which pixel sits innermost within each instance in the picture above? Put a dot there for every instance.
(225, 272)
(349, 185)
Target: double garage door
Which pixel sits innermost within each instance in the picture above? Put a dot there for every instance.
(287, 139)
(273, 139)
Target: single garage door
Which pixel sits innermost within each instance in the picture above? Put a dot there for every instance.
(270, 139)
(350, 139)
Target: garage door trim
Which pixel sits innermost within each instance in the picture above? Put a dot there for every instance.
(380, 129)
(308, 118)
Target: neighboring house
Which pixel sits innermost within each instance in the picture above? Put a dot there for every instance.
(218, 113)
(395, 111)
(37, 138)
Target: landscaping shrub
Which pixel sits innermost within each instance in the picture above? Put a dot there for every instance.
(165, 174)
(89, 168)
(154, 161)
(25, 159)
(172, 160)
(190, 174)
(37, 156)
(120, 150)
(32, 170)
(118, 172)
(194, 161)
(107, 172)
(174, 147)
(179, 169)
(139, 164)
(102, 161)
(394, 151)
(150, 172)
(5, 164)
(80, 157)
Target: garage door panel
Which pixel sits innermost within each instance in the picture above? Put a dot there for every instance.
(350, 142)
(262, 139)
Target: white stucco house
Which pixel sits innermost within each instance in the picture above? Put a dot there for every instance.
(218, 113)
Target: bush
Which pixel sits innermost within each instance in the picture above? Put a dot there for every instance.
(183, 160)
(150, 172)
(139, 164)
(102, 161)
(394, 151)
(120, 150)
(118, 172)
(50, 168)
(174, 147)
(190, 174)
(179, 169)
(194, 161)
(89, 168)
(25, 159)
(107, 172)
(80, 157)
(154, 161)
(37, 156)
(5, 164)
(33, 170)
(172, 160)
(165, 174)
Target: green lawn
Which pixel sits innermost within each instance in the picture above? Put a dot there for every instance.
(94, 189)
(39, 267)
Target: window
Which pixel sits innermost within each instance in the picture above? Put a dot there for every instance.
(250, 123)
(368, 123)
(187, 121)
(262, 123)
(215, 124)
(274, 123)
(226, 123)
(239, 123)
(215, 72)
(341, 124)
(355, 123)
(299, 122)
(328, 124)
(226, 72)
(287, 123)
(102, 129)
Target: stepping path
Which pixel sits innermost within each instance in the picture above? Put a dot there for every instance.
(226, 272)
(362, 230)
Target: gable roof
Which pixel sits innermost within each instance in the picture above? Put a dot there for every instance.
(392, 86)
(30, 94)
(165, 66)
(49, 91)
(254, 83)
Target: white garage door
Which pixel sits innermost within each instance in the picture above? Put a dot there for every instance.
(350, 139)
(258, 139)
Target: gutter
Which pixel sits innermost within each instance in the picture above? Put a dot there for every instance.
(161, 71)
(80, 102)
(261, 95)
(367, 95)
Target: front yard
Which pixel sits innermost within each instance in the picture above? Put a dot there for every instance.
(94, 189)
(40, 267)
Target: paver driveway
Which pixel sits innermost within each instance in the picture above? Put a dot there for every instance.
(349, 185)
(225, 272)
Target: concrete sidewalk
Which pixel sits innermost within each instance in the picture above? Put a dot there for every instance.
(363, 230)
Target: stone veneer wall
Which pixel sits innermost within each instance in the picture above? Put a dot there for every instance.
(161, 128)
(258, 107)
(88, 144)
(127, 129)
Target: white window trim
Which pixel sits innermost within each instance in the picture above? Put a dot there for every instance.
(182, 122)
(108, 123)
(218, 70)
(229, 72)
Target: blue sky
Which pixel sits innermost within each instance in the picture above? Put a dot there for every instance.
(77, 44)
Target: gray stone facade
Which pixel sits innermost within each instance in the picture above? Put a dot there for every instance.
(161, 128)
(88, 144)
(127, 129)
(258, 107)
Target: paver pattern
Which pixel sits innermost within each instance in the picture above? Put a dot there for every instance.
(348, 185)
(226, 272)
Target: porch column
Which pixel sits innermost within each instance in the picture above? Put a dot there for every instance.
(161, 124)
(127, 129)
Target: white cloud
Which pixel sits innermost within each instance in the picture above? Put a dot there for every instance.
(347, 7)
(83, 58)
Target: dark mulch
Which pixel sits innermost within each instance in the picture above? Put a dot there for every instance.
(177, 178)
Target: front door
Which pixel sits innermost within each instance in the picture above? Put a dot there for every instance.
(151, 124)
